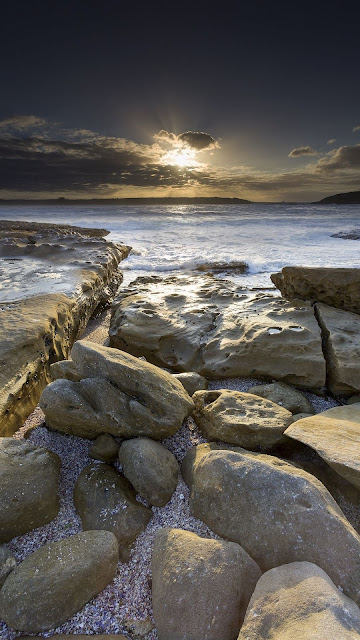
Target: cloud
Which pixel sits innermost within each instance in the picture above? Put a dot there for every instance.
(343, 158)
(21, 123)
(197, 140)
(357, 128)
(302, 151)
(331, 141)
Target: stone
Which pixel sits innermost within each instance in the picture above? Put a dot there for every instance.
(212, 327)
(276, 511)
(29, 478)
(151, 468)
(335, 435)
(353, 399)
(299, 601)
(192, 381)
(337, 287)
(64, 369)
(341, 338)
(300, 416)
(105, 500)
(57, 580)
(48, 294)
(117, 394)
(200, 587)
(105, 448)
(137, 628)
(240, 418)
(288, 397)
(7, 563)
(65, 636)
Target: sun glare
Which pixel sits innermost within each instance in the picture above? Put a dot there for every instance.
(184, 157)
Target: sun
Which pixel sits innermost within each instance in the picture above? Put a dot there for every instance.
(181, 157)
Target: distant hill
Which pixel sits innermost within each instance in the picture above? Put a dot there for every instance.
(352, 197)
(139, 201)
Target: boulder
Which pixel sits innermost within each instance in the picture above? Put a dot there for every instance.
(341, 336)
(29, 477)
(240, 418)
(276, 511)
(337, 287)
(300, 416)
(105, 500)
(335, 436)
(151, 468)
(353, 399)
(211, 326)
(64, 369)
(105, 448)
(192, 381)
(117, 394)
(298, 600)
(7, 564)
(288, 397)
(57, 580)
(200, 587)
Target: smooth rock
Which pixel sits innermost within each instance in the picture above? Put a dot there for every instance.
(64, 369)
(192, 381)
(341, 336)
(105, 500)
(7, 564)
(57, 580)
(151, 468)
(337, 287)
(29, 477)
(300, 416)
(335, 436)
(105, 448)
(353, 399)
(288, 397)
(200, 587)
(240, 418)
(277, 512)
(211, 326)
(299, 601)
(118, 394)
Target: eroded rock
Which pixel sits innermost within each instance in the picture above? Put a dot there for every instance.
(117, 394)
(288, 397)
(298, 600)
(240, 418)
(57, 580)
(29, 477)
(277, 512)
(200, 587)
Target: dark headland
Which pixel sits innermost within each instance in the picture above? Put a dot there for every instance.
(351, 197)
(131, 201)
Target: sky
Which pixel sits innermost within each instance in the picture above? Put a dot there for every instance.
(257, 100)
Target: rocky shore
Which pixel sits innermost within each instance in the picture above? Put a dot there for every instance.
(198, 479)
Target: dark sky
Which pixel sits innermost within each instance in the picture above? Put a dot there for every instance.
(263, 79)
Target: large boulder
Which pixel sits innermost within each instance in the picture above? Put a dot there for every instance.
(298, 600)
(240, 418)
(7, 564)
(337, 287)
(200, 587)
(117, 394)
(288, 397)
(56, 581)
(212, 327)
(335, 436)
(341, 335)
(277, 512)
(105, 500)
(29, 477)
(151, 468)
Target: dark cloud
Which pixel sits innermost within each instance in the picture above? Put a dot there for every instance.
(342, 158)
(357, 128)
(198, 140)
(302, 151)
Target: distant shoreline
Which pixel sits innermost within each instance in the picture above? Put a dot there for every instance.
(129, 201)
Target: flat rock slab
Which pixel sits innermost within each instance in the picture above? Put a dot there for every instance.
(212, 327)
(29, 478)
(339, 287)
(277, 512)
(335, 436)
(239, 418)
(57, 580)
(341, 333)
(52, 281)
(298, 600)
(200, 587)
(117, 394)
(288, 397)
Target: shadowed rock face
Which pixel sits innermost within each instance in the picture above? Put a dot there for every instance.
(54, 279)
(335, 287)
(212, 327)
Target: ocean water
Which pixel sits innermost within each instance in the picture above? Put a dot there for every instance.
(171, 239)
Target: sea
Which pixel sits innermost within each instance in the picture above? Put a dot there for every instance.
(173, 239)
